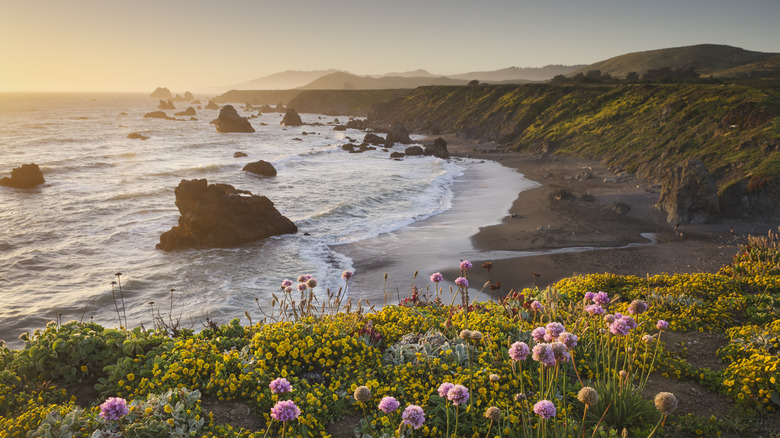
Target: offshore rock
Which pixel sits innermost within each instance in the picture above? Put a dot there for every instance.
(220, 216)
(162, 93)
(190, 111)
(262, 168)
(25, 177)
(398, 134)
(230, 121)
(437, 149)
(157, 115)
(413, 150)
(374, 139)
(688, 195)
(166, 105)
(291, 118)
(212, 105)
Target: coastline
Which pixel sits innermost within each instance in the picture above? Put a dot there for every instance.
(538, 221)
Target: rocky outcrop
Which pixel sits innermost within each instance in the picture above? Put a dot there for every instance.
(162, 93)
(239, 154)
(262, 168)
(291, 118)
(230, 121)
(136, 136)
(25, 177)
(166, 105)
(437, 149)
(413, 150)
(374, 139)
(190, 111)
(212, 105)
(689, 195)
(157, 115)
(398, 134)
(188, 96)
(219, 216)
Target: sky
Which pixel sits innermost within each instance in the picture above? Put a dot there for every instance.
(138, 45)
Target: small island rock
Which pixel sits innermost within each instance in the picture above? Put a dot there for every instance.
(190, 111)
(437, 149)
(162, 93)
(413, 150)
(157, 115)
(212, 105)
(262, 168)
(291, 118)
(239, 154)
(230, 121)
(219, 216)
(166, 105)
(25, 177)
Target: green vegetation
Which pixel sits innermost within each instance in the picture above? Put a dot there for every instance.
(469, 369)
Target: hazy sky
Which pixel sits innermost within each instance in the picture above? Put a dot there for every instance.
(137, 45)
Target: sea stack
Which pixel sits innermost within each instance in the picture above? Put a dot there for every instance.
(229, 121)
(220, 216)
(25, 177)
(291, 118)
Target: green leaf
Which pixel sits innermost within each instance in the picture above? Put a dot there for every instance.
(775, 397)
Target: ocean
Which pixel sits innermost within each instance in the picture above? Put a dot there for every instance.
(107, 199)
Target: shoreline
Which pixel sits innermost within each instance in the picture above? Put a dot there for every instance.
(541, 219)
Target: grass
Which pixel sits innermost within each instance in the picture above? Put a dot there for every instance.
(332, 352)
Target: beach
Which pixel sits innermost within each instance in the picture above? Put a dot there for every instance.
(548, 221)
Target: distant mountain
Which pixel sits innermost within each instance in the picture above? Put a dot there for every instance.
(283, 81)
(348, 81)
(518, 74)
(705, 59)
(419, 73)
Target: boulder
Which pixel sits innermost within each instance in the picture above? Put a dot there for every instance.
(437, 149)
(136, 136)
(239, 154)
(360, 124)
(157, 115)
(219, 216)
(162, 93)
(339, 128)
(396, 155)
(374, 139)
(230, 121)
(166, 105)
(688, 195)
(25, 177)
(413, 150)
(291, 118)
(398, 134)
(212, 106)
(262, 168)
(190, 111)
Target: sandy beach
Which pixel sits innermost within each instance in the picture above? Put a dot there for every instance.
(573, 207)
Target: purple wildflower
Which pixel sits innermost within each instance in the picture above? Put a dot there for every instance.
(601, 298)
(545, 409)
(594, 309)
(444, 387)
(302, 287)
(311, 283)
(114, 408)
(588, 295)
(388, 405)
(538, 334)
(437, 277)
(536, 305)
(636, 307)
(413, 416)
(285, 410)
(280, 386)
(465, 265)
(568, 339)
(552, 330)
(346, 275)
(662, 325)
(560, 352)
(303, 278)
(286, 283)
(609, 318)
(619, 327)
(458, 394)
(462, 282)
(544, 354)
(519, 351)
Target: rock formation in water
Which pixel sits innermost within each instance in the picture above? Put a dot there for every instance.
(162, 93)
(166, 105)
(220, 216)
(262, 168)
(398, 134)
(25, 177)
(136, 136)
(291, 118)
(437, 149)
(688, 195)
(190, 111)
(413, 150)
(230, 121)
(157, 115)
(212, 105)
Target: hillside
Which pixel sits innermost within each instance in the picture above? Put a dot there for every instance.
(257, 97)
(348, 81)
(284, 80)
(342, 102)
(519, 74)
(705, 59)
(644, 128)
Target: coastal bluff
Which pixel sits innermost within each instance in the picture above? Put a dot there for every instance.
(221, 216)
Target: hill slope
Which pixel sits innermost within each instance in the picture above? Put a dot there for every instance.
(348, 81)
(283, 80)
(705, 59)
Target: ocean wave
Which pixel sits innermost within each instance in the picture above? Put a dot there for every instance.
(194, 170)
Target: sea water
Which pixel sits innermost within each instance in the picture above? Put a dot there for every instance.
(107, 199)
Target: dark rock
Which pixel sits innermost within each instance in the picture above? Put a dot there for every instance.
(239, 154)
(157, 115)
(396, 155)
(188, 96)
(25, 177)
(398, 134)
(136, 136)
(437, 149)
(219, 216)
(620, 207)
(689, 195)
(413, 150)
(563, 195)
(166, 105)
(230, 121)
(348, 147)
(339, 128)
(190, 111)
(162, 93)
(291, 118)
(263, 168)
(212, 105)
(374, 139)
(360, 124)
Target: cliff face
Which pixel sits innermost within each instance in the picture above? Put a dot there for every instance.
(734, 130)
